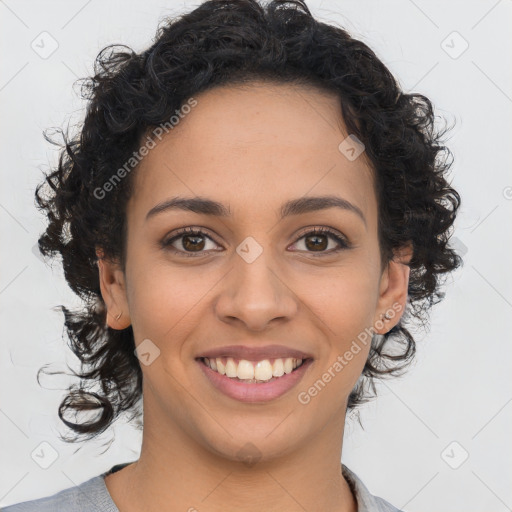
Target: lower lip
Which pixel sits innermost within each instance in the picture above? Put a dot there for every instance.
(255, 392)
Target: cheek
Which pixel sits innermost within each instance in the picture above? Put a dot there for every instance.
(165, 309)
(165, 301)
(343, 298)
(343, 304)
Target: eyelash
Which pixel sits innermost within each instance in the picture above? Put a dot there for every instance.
(166, 244)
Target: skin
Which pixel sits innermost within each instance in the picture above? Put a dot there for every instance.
(251, 148)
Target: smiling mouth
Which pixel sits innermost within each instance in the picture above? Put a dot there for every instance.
(251, 372)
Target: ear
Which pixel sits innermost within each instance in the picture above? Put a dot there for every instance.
(393, 289)
(113, 291)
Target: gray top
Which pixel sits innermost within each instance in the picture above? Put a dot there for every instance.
(93, 496)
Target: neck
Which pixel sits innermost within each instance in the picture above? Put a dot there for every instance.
(175, 472)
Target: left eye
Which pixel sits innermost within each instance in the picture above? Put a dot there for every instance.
(193, 241)
(319, 239)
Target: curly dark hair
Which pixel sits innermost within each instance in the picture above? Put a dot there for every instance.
(237, 42)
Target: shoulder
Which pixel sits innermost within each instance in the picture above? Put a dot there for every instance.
(90, 496)
(384, 506)
(366, 501)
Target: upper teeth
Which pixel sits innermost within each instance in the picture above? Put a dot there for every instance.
(260, 370)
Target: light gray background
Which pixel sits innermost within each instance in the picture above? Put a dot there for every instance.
(458, 390)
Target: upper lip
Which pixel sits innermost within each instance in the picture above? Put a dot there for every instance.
(255, 353)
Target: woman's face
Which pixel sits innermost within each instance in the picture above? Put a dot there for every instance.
(253, 278)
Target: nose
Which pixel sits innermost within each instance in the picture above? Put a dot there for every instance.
(254, 293)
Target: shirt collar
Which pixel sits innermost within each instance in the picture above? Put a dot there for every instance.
(366, 502)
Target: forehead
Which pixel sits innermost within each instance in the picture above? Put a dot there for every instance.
(254, 146)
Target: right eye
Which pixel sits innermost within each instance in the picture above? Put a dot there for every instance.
(192, 242)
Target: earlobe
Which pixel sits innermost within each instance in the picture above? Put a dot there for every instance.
(117, 322)
(113, 291)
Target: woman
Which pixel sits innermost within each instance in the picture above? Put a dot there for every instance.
(251, 211)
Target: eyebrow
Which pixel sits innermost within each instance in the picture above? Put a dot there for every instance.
(205, 206)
